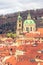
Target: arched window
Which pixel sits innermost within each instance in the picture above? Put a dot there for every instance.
(19, 25)
(27, 29)
(30, 28)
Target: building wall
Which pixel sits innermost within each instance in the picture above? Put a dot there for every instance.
(29, 26)
(19, 27)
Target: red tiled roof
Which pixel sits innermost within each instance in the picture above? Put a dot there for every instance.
(26, 63)
(34, 35)
(9, 39)
(40, 30)
(41, 63)
(12, 60)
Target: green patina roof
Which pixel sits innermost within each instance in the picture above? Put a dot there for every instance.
(19, 17)
(29, 22)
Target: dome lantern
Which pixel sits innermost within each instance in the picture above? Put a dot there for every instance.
(29, 16)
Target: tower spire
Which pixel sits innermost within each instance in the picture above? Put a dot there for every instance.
(19, 17)
(18, 13)
(29, 16)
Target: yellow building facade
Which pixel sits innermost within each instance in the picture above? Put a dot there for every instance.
(19, 25)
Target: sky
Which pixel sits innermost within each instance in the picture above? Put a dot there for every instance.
(11, 6)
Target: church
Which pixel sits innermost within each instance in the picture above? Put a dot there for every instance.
(28, 25)
(28, 30)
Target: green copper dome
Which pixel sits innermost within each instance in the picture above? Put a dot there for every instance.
(29, 22)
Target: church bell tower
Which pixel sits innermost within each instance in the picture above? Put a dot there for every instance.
(19, 25)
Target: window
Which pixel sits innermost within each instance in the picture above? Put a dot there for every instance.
(27, 29)
(19, 25)
(30, 28)
(19, 20)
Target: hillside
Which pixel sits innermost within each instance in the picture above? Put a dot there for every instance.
(8, 22)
